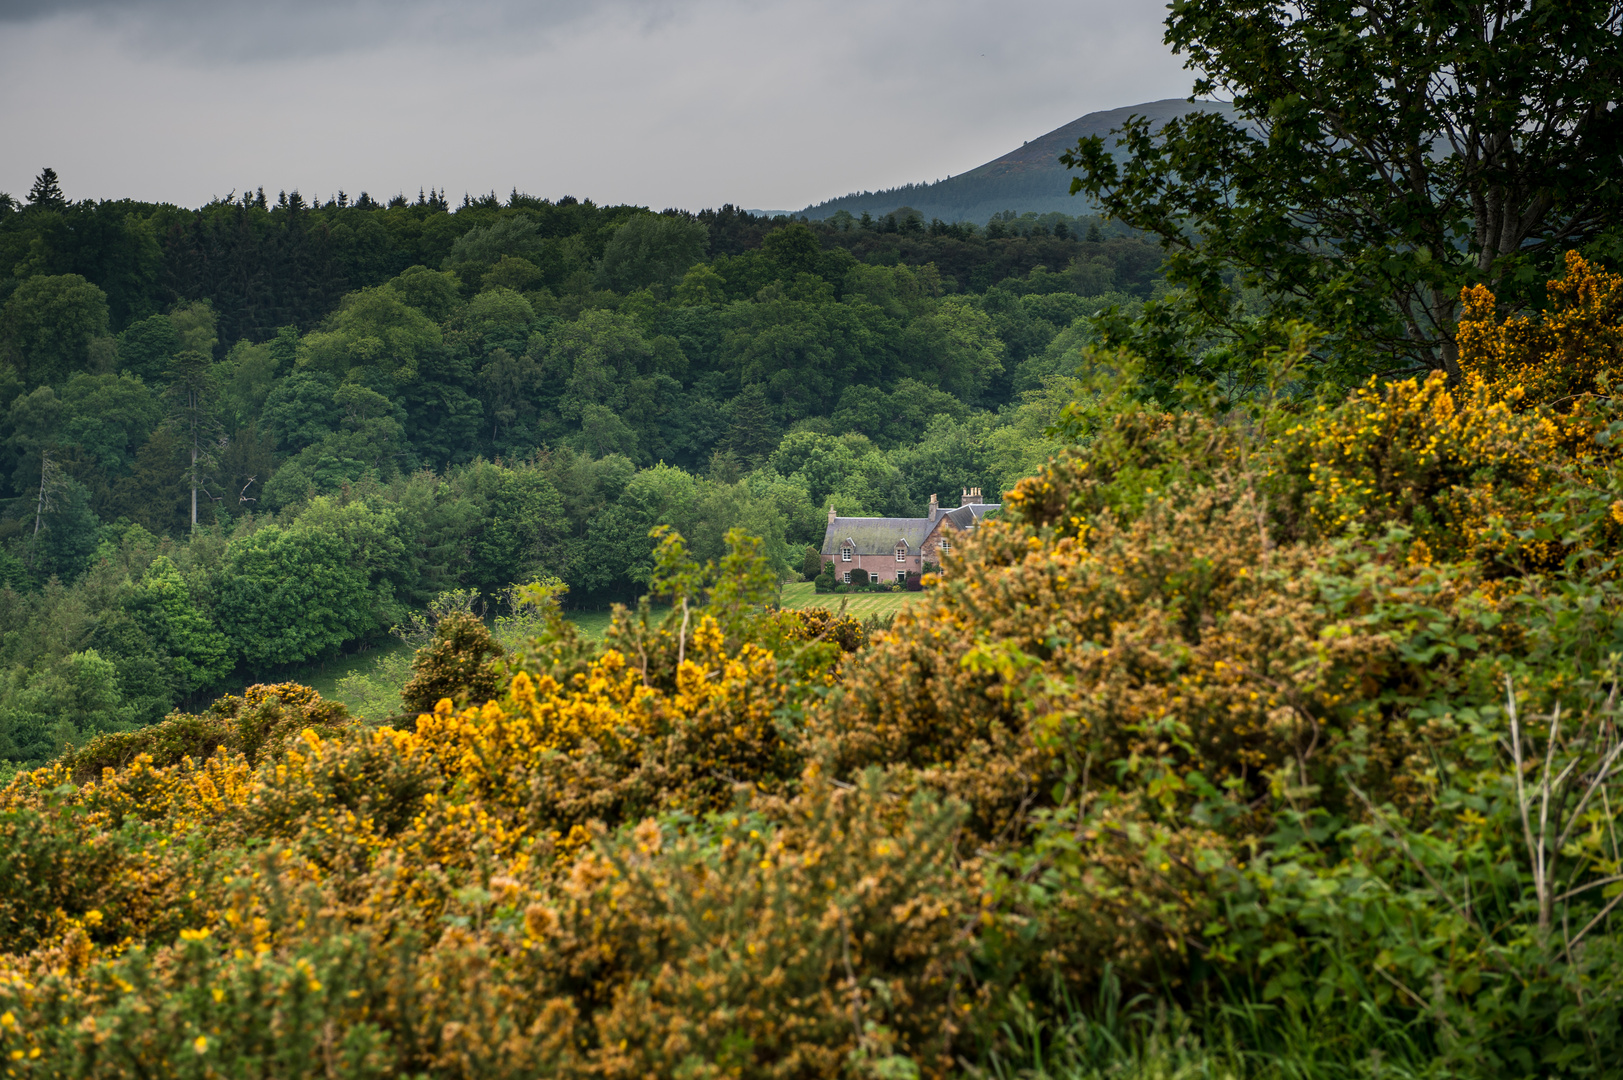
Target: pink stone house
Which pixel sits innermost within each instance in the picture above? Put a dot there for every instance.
(891, 548)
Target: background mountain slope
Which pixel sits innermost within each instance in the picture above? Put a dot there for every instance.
(1028, 178)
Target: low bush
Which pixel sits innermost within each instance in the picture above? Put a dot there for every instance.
(262, 720)
(824, 581)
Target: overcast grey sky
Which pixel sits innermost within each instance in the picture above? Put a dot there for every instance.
(688, 103)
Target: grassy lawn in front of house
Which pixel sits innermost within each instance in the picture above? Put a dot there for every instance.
(860, 605)
(591, 622)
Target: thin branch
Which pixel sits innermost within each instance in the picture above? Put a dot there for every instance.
(851, 975)
(1605, 911)
(1418, 865)
(1521, 788)
(1603, 774)
(1590, 885)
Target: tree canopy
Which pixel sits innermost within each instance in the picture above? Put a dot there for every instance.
(1380, 157)
(301, 421)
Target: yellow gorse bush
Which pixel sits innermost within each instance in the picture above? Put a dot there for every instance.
(400, 899)
(558, 756)
(1571, 350)
(1472, 470)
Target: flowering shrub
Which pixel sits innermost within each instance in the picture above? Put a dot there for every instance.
(1570, 352)
(460, 663)
(1211, 641)
(265, 717)
(821, 624)
(415, 849)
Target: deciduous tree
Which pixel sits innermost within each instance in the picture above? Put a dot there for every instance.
(1379, 157)
(48, 324)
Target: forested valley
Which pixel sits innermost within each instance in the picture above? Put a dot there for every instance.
(259, 433)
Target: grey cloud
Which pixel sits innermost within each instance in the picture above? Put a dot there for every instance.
(775, 103)
(23, 10)
(250, 12)
(237, 30)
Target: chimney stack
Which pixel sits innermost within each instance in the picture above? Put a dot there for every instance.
(831, 514)
(935, 507)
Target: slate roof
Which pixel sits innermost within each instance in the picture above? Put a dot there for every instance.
(967, 517)
(878, 536)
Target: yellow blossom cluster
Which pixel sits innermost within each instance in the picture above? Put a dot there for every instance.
(457, 897)
(1555, 358)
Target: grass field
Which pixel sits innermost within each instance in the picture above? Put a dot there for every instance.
(798, 595)
(323, 678)
(382, 667)
(860, 605)
(593, 623)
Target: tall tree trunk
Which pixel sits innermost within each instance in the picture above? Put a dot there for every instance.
(44, 474)
(192, 399)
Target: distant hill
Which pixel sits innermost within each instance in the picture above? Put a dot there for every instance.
(1029, 178)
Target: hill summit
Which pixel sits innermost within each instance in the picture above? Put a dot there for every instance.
(1027, 178)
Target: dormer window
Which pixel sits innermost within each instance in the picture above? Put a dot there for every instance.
(901, 551)
(845, 554)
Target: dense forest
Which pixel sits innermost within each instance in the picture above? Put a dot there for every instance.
(258, 433)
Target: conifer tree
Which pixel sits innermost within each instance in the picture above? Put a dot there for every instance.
(46, 192)
(154, 494)
(753, 434)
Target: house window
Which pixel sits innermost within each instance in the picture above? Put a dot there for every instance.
(845, 555)
(943, 546)
(901, 576)
(901, 552)
(848, 577)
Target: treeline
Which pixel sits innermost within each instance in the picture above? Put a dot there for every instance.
(266, 262)
(539, 385)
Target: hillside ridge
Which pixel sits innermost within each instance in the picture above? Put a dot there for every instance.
(1027, 178)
